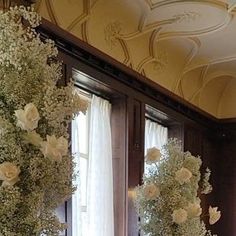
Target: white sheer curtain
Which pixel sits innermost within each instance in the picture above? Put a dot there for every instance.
(76, 199)
(156, 135)
(100, 175)
(92, 204)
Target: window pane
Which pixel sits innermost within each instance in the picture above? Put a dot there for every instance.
(83, 133)
(156, 135)
(83, 178)
(83, 225)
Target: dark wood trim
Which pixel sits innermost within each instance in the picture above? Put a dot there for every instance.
(120, 159)
(227, 121)
(136, 123)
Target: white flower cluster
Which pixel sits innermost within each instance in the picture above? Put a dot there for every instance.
(168, 202)
(36, 168)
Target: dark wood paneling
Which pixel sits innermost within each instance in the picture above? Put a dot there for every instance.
(225, 186)
(176, 131)
(136, 122)
(193, 139)
(217, 149)
(120, 160)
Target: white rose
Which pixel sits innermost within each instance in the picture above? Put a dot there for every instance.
(179, 216)
(28, 118)
(62, 145)
(151, 191)
(33, 138)
(183, 175)
(54, 148)
(153, 155)
(214, 215)
(9, 173)
(194, 210)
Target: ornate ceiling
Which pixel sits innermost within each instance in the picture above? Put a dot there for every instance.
(188, 47)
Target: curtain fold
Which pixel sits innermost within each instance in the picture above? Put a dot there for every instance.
(100, 212)
(156, 135)
(76, 200)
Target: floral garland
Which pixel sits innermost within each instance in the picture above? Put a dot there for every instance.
(168, 202)
(36, 167)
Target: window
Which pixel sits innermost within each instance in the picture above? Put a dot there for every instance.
(80, 148)
(156, 135)
(92, 204)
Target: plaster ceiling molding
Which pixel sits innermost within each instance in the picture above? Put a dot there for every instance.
(204, 79)
(177, 88)
(92, 3)
(112, 31)
(208, 74)
(42, 9)
(222, 86)
(191, 83)
(186, 17)
(227, 67)
(187, 46)
(171, 57)
(218, 73)
(207, 17)
(227, 105)
(217, 47)
(75, 13)
(161, 62)
(158, 59)
(210, 96)
(231, 5)
(110, 19)
(145, 54)
(179, 18)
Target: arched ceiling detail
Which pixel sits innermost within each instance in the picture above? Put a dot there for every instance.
(188, 47)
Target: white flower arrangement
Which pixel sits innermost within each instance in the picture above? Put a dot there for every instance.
(168, 201)
(153, 155)
(36, 167)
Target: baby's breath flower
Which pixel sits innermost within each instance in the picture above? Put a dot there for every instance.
(151, 191)
(177, 209)
(179, 216)
(32, 108)
(194, 209)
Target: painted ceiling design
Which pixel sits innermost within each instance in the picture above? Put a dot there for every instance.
(188, 47)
